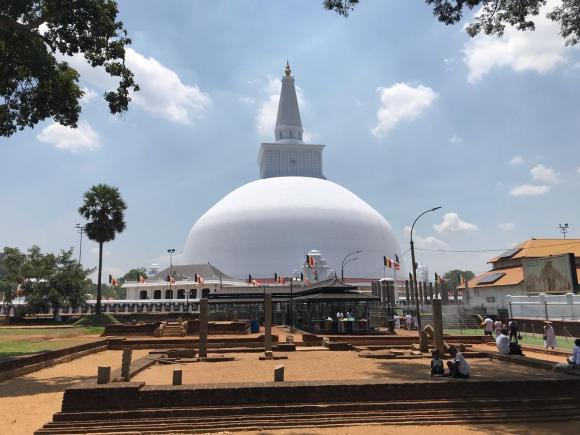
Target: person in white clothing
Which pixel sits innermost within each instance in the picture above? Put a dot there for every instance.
(458, 367)
(339, 317)
(408, 321)
(488, 326)
(549, 336)
(505, 346)
(497, 327)
(397, 320)
(574, 360)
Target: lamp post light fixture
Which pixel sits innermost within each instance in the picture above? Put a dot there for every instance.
(344, 263)
(563, 229)
(415, 266)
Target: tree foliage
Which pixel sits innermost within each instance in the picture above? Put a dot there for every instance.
(34, 84)
(134, 274)
(104, 210)
(45, 279)
(452, 277)
(494, 15)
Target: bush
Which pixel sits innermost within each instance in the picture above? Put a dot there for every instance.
(97, 320)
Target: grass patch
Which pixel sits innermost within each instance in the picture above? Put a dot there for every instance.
(21, 347)
(528, 338)
(21, 333)
(99, 320)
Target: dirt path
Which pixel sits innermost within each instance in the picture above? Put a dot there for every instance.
(28, 402)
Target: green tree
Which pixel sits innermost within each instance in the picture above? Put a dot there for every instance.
(64, 282)
(494, 16)
(12, 273)
(104, 210)
(452, 277)
(34, 84)
(134, 274)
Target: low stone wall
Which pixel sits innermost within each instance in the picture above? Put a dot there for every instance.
(133, 395)
(146, 328)
(560, 326)
(28, 364)
(216, 328)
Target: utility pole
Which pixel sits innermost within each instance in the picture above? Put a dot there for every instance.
(81, 230)
(170, 252)
(563, 229)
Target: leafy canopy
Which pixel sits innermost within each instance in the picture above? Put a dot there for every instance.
(34, 84)
(134, 274)
(452, 277)
(494, 15)
(103, 208)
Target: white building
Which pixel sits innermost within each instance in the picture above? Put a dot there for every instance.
(267, 226)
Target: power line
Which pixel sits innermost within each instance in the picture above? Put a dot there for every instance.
(499, 249)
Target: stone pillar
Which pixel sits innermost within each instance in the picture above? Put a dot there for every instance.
(103, 375)
(570, 303)
(126, 365)
(438, 326)
(423, 342)
(279, 373)
(431, 292)
(268, 322)
(177, 377)
(203, 315)
(407, 292)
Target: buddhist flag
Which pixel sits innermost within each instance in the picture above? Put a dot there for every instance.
(255, 283)
(171, 280)
(199, 279)
(275, 277)
(249, 278)
(462, 281)
(410, 277)
(397, 263)
(439, 279)
(141, 279)
(311, 262)
(112, 280)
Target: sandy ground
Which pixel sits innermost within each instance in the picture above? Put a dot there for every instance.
(28, 402)
(304, 366)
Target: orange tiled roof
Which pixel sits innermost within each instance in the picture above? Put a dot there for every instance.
(513, 276)
(545, 247)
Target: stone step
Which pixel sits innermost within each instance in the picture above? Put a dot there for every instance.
(315, 420)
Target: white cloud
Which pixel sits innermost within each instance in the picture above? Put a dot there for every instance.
(455, 139)
(541, 50)
(429, 242)
(516, 161)
(162, 93)
(529, 190)
(508, 226)
(451, 222)
(401, 102)
(578, 170)
(88, 96)
(544, 174)
(268, 110)
(82, 138)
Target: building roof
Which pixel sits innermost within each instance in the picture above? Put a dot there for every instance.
(512, 276)
(542, 248)
(182, 271)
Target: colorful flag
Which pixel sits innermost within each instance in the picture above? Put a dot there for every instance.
(462, 281)
(311, 262)
(199, 279)
(439, 279)
(171, 280)
(141, 279)
(255, 283)
(112, 280)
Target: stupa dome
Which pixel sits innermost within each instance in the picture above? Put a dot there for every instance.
(267, 226)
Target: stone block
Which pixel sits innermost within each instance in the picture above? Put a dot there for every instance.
(423, 342)
(181, 353)
(279, 373)
(177, 377)
(126, 365)
(103, 375)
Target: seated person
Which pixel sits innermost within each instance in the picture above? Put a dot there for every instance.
(458, 367)
(574, 360)
(505, 346)
(437, 368)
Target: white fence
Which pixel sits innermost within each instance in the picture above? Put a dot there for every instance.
(548, 307)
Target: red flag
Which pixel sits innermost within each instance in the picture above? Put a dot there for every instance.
(141, 279)
(311, 261)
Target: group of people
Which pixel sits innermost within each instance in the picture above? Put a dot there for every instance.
(410, 321)
(457, 367)
(489, 327)
(345, 321)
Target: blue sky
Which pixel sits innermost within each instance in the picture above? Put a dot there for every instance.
(413, 114)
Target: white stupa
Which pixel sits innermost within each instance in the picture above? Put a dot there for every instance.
(267, 226)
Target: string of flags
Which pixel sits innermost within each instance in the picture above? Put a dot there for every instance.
(392, 264)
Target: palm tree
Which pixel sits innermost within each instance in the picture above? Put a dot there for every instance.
(103, 208)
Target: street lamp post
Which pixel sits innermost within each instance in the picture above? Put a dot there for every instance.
(81, 230)
(344, 262)
(415, 266)
(170, 252)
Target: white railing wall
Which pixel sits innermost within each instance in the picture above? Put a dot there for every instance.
(547, 307)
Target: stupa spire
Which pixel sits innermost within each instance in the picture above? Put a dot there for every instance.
(288, 122)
